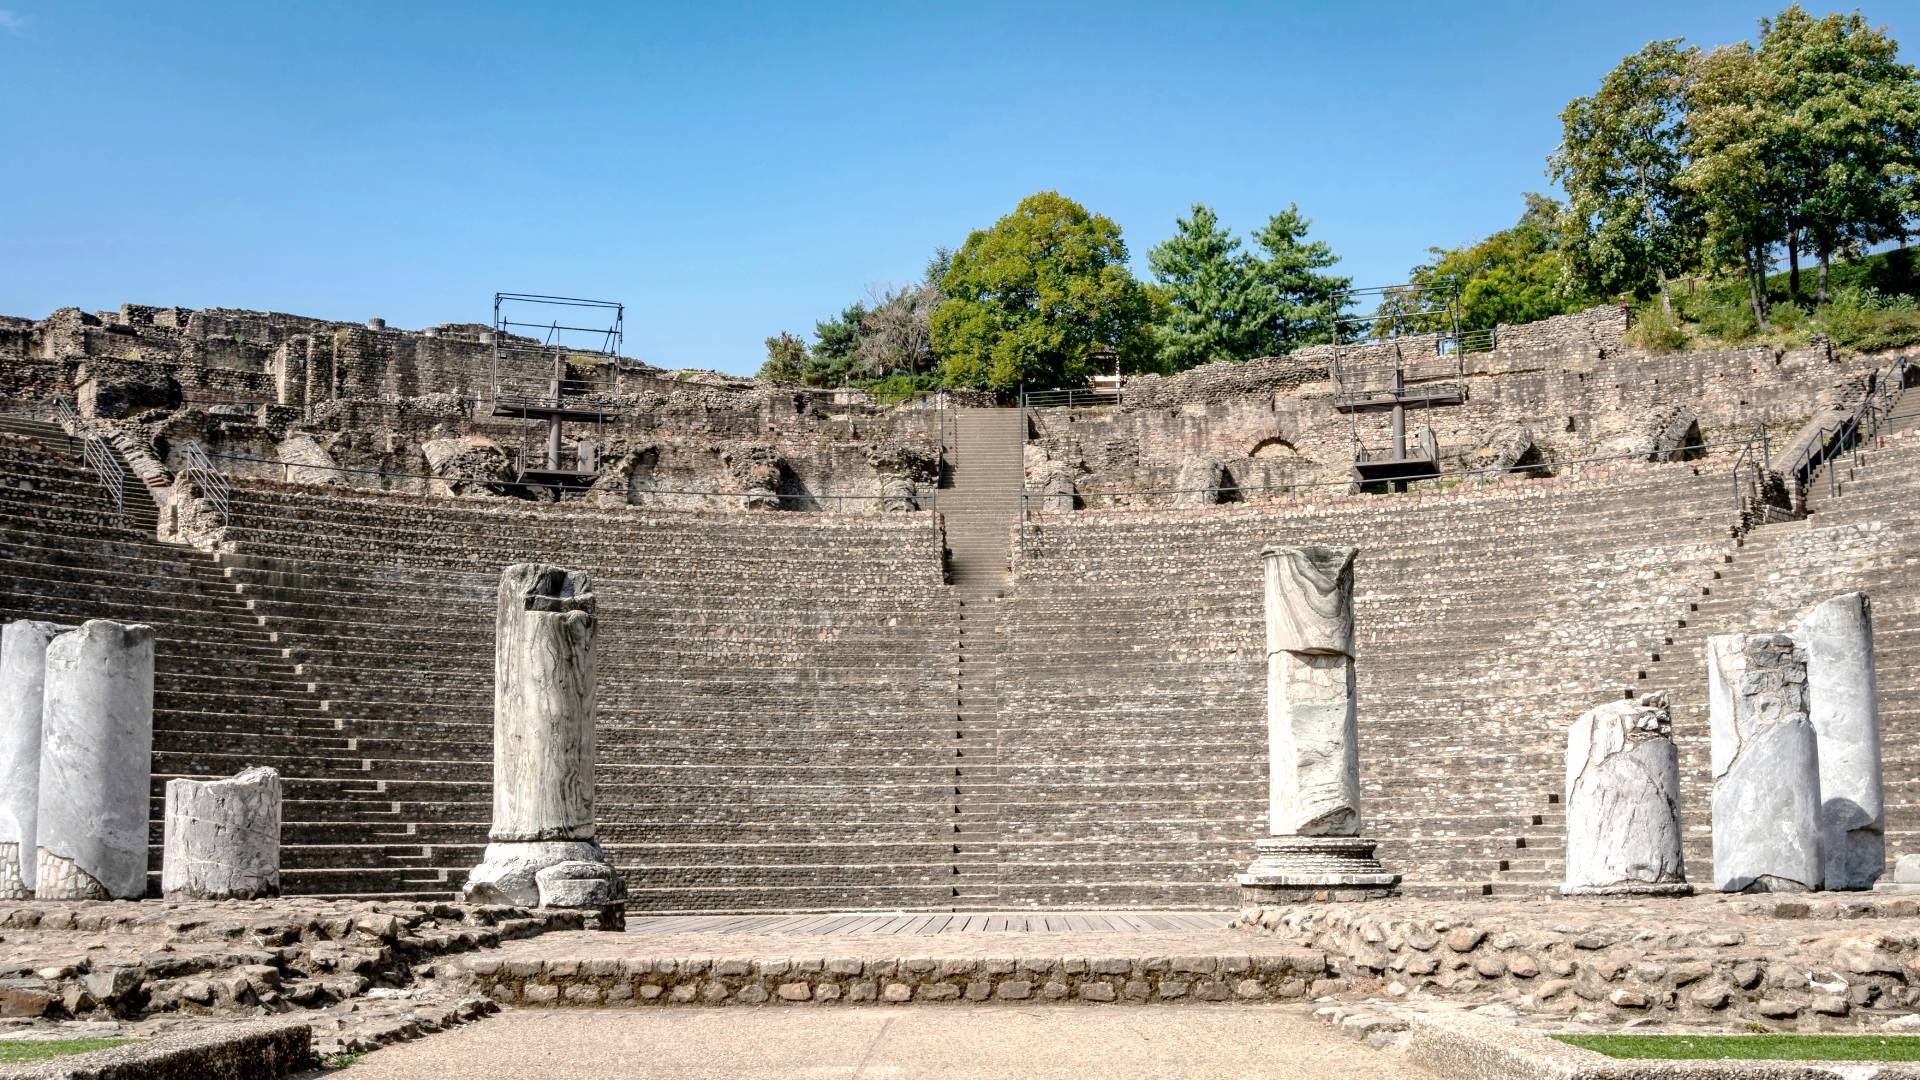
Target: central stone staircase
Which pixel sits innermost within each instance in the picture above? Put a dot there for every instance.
(981, 509)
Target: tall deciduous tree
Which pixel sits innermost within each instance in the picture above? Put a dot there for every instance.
(1739, 165)
(1031, 299)
(1296, 300)
(1849, 132)
(1629, 224)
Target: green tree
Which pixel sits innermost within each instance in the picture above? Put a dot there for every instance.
(1513, 276)
(1296, 302)
(786, 359)
(1629, 224)
(1212, 308)
(1032, 298)
(1738, 169)
(836, 347)
(1848, 129)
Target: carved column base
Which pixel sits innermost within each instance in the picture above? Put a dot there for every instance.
(1315, 869)
(1630, 888)
(510, 873)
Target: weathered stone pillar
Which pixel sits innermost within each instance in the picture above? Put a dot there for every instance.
(222, 838)
(1844, 707)
(1766, 766)
(96, 762)
(1315, 851)
(1623, 802)
(543, 733)
(23, 675)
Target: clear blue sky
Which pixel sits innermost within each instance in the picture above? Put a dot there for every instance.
(732, 171)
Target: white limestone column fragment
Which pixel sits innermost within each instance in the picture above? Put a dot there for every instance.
(543, 732)
(1314, 850)
(1623, 802)
(96, 754)
(1766, 766)
(222, 838)
(23, 671)
(1313, 746)
(1843, 704)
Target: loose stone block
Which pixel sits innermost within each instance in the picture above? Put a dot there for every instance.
(1315, 850)
(1843, 705)
(222, 838)
(544, 711)
(23, 671)
(96, 753)
(1623, 802)
(1766, 768)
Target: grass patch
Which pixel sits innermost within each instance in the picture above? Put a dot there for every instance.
(23, 1050)
(1752, 1047)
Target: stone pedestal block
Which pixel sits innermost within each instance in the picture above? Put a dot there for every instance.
(23, 671)
(1623, 802)
(1843, 705)
(1315, 850)
(543, 733)
(222, 838)
(96, 753)
(1766, 766)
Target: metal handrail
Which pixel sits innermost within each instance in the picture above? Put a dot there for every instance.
(106, 465)
(1846, 434)
(1751, 465)
(213, 484)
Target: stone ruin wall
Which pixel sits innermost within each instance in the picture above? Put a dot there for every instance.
(1567, 387)
(271, 395)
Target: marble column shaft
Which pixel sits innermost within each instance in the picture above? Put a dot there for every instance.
(1843, 704)
(1312, 725)
(222, 838)
(1766, 766)
(96, 761)
(1622, 800)
(23, 677)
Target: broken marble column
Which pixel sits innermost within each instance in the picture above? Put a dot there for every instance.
(222, 838)
(543, 733)
(96, 753)
(1623, 802)
(1766, 766)
(1315, 850)
(23, 672)
(1843, 705)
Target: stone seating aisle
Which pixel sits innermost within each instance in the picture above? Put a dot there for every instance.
(1134, 740)
(772, 692)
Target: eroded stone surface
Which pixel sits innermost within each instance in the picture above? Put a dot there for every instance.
(222, 837)
(96, 755)
(23, 664)
(1843, 705)
(1623, 801)
(1312, 732)
(1766, 771)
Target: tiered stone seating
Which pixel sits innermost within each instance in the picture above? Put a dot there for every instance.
(224, 693)
(1133, 736)
(774, 691)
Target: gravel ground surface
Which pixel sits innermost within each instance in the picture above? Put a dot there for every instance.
(1271, 1042)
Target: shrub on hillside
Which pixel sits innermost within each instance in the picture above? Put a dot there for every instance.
(1859, 317)
(1655, 331)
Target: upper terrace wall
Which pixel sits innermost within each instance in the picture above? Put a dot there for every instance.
(372, 396)
(1568, 382)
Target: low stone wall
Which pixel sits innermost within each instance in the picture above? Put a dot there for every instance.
(1286, 975)
(254, 1051)
(1823, 962)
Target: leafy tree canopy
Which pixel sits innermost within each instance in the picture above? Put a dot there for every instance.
(1513, 276)
(1035, 297)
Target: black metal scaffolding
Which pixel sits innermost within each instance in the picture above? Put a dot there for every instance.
(543, 367)
(1372, 373)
